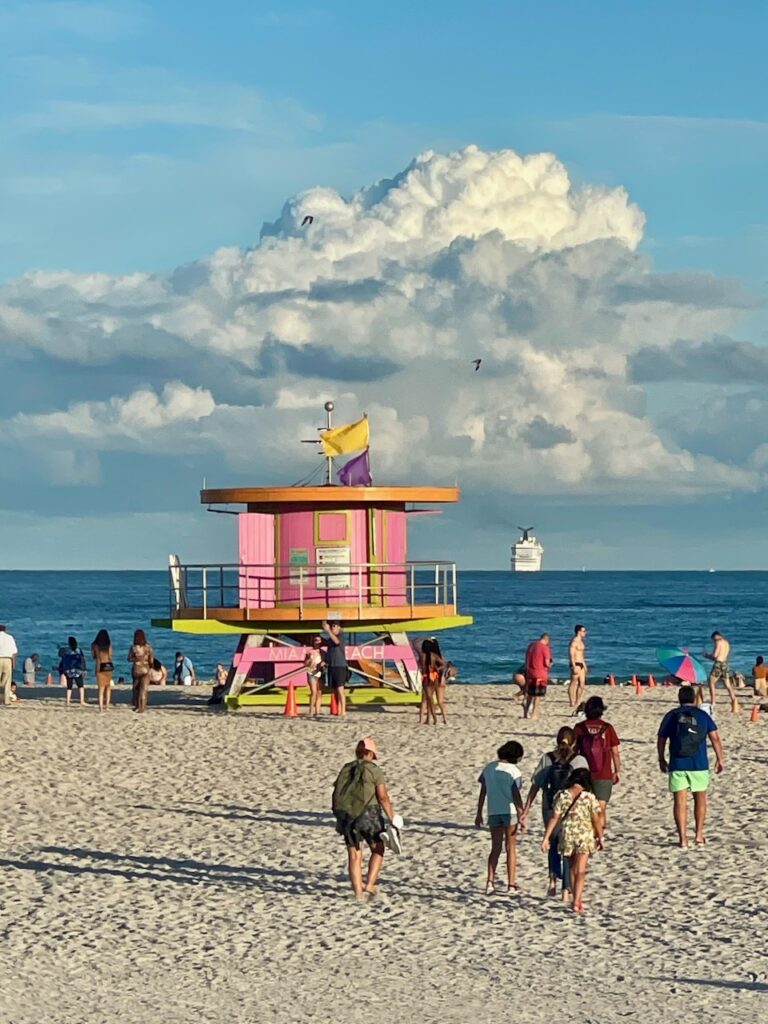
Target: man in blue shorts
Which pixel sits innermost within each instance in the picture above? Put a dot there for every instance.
(687, 729)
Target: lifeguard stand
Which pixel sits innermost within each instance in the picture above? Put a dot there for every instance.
(312, 553)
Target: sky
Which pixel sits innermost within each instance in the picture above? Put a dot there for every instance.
(574, 193)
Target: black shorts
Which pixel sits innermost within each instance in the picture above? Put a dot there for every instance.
(367, 827)
(537, 688)
(77, 681)
(338, 675)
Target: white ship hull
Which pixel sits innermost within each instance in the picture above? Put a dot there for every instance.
(526, 556)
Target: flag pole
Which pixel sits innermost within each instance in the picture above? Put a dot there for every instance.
(329, 458)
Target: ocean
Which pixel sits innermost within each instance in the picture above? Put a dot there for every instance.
(627, 615)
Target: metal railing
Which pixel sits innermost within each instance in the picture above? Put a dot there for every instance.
(312, 586)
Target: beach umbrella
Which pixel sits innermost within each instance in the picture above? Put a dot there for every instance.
(681, 664)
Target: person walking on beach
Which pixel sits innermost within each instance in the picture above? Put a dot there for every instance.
(576, 813)
(598, 742)
(73, 667)
(577, 658)
(336, 662)
(719, 658)
(313, 663)
(141, 657)
(184, 670)
(8, 654)
(101, 651)
(500, 783)
(686, 729)
(360, 801)
(538, 661)
(550, 778)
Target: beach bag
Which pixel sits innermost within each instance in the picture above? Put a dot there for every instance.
(351, 795)
(557, 778)
(689, 734)
(594, 748)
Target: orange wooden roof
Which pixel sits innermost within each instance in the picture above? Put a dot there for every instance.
(326, 495)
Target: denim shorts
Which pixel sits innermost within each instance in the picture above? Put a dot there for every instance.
(501, 820)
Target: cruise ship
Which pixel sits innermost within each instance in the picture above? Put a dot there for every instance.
(526, 554)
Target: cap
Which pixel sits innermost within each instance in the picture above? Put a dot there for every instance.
(368, 743)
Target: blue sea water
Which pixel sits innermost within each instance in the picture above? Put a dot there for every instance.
(627, 614)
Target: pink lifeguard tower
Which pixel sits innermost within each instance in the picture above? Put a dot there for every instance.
(307, 554)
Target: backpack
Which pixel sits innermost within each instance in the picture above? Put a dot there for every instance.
(351, 794)
(557, 777)
(594, 748)
(689, 734)
(72, 663)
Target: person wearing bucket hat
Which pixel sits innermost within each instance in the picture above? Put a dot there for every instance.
(360, 802)
(598, 742)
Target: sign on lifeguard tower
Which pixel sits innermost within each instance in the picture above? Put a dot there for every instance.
(316, 552)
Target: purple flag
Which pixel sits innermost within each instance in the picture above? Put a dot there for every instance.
(356, 472)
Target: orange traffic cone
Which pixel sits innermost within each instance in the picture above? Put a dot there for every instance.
(651, 683)
(291, 709)
(611, 680)
(334, 703)
(755, 713)
(637, 684)
(49, 680)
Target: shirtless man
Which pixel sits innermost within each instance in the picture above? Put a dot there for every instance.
(578, 659)
(719, 670)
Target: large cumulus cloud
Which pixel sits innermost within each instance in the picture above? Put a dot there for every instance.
(381, 301)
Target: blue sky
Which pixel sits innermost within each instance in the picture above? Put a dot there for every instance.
(141, 137)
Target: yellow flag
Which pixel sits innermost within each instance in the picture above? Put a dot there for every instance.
(352, 437)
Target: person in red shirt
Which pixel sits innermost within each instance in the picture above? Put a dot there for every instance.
(599, 743)
(538, 659)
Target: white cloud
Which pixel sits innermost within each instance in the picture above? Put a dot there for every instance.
(381, 302)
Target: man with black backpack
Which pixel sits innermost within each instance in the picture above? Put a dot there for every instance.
(687, 729)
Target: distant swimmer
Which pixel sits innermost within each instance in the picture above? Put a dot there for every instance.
(578, 660)
(476, 363)
(719, 658)
(307, 220)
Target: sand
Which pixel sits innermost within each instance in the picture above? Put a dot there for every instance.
(182, 866)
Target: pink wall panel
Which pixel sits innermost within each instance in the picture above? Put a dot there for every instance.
(256, 547)
(396, 525)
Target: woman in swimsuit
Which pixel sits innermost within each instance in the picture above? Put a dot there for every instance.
(314, 666)
(431, 664)
(447, 675)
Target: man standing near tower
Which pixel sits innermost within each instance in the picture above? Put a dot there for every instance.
(538, 661)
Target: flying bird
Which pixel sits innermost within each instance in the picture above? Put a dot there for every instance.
(476, 364)
(307, 220)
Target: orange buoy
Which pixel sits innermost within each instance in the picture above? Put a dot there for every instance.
(291, 709)
(755, 713)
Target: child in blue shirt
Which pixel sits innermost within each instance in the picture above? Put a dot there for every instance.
(500, 783)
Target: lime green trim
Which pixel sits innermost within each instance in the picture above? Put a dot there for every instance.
(355, 696)
(215, 627)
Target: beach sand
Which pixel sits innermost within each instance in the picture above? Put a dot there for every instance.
(181, 866)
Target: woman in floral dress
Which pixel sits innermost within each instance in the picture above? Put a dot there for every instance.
(577, 812)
